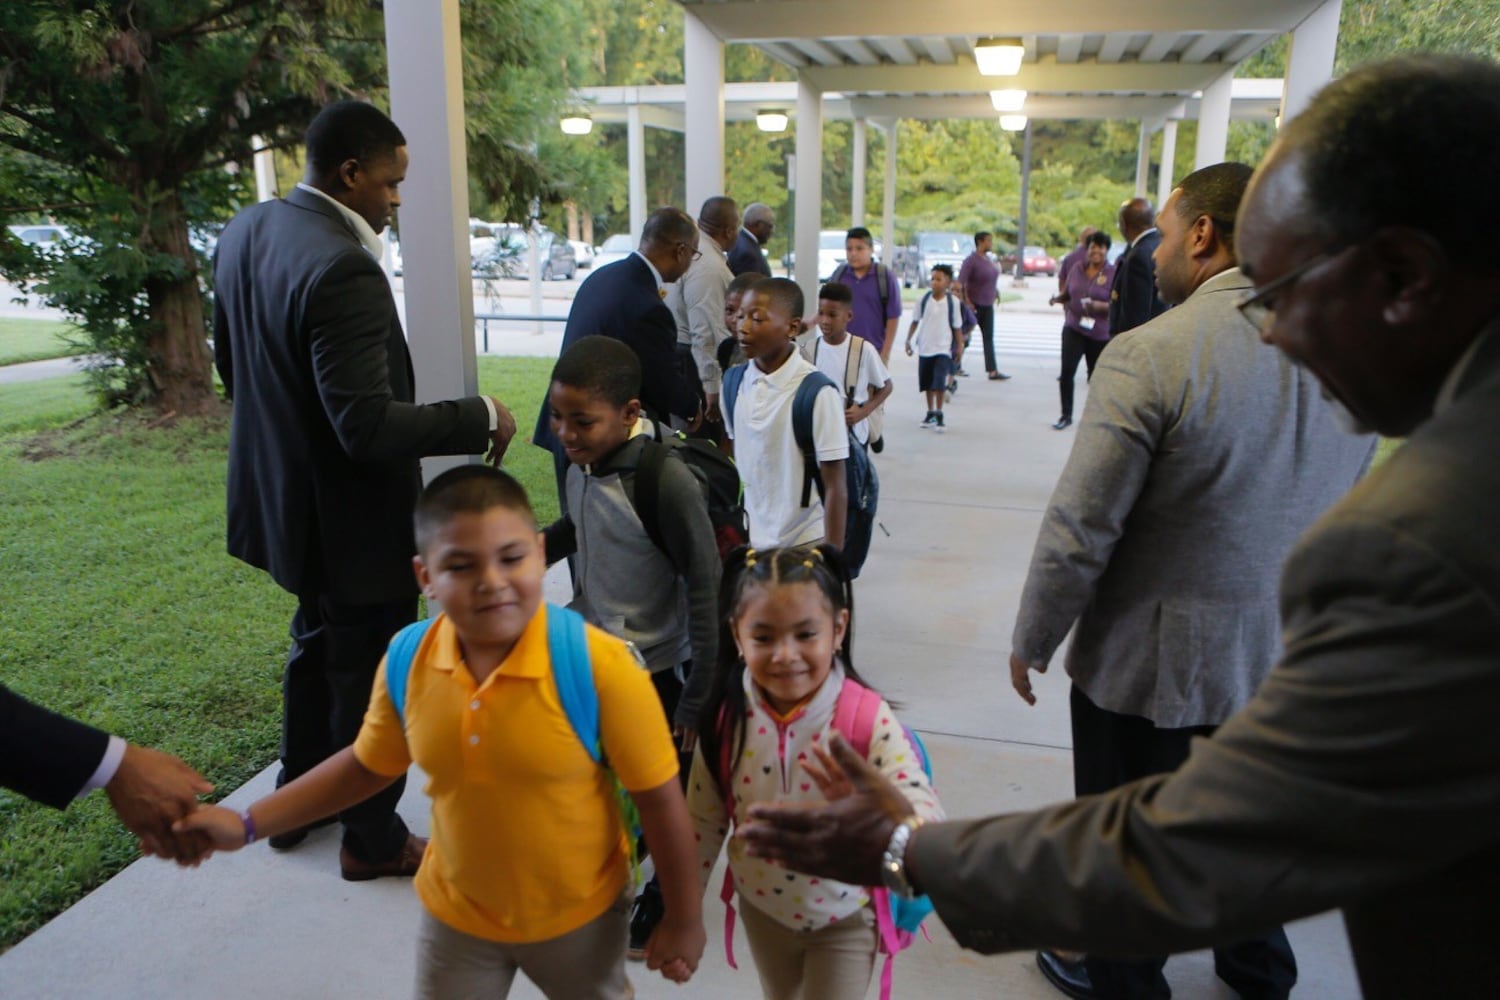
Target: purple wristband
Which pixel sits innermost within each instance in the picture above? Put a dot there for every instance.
(249, 826)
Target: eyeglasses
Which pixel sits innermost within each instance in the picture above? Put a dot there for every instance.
(1259, 307)
(697, 254)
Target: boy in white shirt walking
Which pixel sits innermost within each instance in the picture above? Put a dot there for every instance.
(939, 343)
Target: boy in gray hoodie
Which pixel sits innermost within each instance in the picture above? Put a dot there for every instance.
(662, 599)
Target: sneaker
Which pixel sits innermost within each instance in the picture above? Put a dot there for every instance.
(928, 421)
(940, 426)
(644, 916)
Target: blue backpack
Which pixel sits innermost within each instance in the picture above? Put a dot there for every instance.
(568, 649)
(802, 420)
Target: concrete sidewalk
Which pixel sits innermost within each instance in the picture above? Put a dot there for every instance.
(934, 612)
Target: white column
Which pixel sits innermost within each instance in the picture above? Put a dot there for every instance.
(703, 74)
(1309, 58)
(265, 170)
(859, 165)
(888, 199)
(425, 62)
(809, 186)
(1164, 180)
(1213, 122)
(1143, 160)
(635, 155)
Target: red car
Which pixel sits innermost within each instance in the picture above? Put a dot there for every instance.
(1037, 261)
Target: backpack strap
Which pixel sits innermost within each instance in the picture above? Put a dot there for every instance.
(854, 715)
(922, 304)
(852, 364)
(883, 286)
(648, 473)
(398, 660)
(803, 404)
(730, 387)
(567, 645)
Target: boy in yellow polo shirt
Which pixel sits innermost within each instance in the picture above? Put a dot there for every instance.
(527, 867)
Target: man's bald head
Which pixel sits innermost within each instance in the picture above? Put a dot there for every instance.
(1370, 266)
(1136, 216)
(760, 221)
(720, 219)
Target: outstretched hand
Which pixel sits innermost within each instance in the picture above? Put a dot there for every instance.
(150, 791)
(843, 839)
(1020, 677)
(221, 826)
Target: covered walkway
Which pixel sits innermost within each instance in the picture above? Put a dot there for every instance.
(933, 620)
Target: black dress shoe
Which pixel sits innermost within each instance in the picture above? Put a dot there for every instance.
(1063, 423)
(290, 839)
(403, 865)
(1068, 976)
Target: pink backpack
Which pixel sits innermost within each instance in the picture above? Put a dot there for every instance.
(853, 718)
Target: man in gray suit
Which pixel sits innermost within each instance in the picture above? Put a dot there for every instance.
(1364, 773)
(1200, 459)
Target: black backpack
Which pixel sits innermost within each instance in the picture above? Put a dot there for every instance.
(716, 475)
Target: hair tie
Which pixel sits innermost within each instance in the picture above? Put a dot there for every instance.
(807, 563)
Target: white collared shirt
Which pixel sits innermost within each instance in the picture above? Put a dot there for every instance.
(661, 286)
(1456, 376)
(1142, 236)
(368, 238)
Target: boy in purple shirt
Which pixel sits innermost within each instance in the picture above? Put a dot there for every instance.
(876, 309)
(977, 289)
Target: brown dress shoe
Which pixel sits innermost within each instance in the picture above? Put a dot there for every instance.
(403, 865)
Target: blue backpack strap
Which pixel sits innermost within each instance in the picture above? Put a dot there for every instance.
(803, 404)
(398, 659)
(730, 387)
(567, 644)
(922, 305)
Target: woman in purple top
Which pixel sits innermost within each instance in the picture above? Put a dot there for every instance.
(1085, 301)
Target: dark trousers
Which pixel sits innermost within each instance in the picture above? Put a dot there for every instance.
(1110, 750)
(1075, 346)
(325, 692)
(986, 316)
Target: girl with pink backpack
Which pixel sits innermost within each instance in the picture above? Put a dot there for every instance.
(786, 682)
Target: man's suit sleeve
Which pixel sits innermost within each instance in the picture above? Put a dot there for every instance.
(1366, 760)
(45, 756)
(1122, 422)
(348, 324)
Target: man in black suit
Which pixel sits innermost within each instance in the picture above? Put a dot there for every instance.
(324, 444)
(53, 759)
(625, 300)
(755, 232)
(1132, 297)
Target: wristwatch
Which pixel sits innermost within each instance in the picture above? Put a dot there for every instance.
(893, 861)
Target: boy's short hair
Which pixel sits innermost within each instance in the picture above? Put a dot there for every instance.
(743, 283)
(859, 233)
(837, 291)
(784, 292)
(945, 268)
(600, 366)
(351, 130)
(981, 236)
(468, 489)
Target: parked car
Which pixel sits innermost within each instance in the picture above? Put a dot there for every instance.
(830, 253)
(503, 250)
(1036, 261)
(930, 249)
(44, 237)
(617, 247)
(582, 252)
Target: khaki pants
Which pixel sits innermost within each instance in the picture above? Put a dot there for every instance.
(831, 963)
(586, 964)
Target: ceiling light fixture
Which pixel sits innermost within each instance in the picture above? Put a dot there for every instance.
(1013, 123)
(770, 120)
(577, 125)
(999, 56)
(1008, 100)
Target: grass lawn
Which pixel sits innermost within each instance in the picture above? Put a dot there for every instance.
(35, 340)
(123, 609)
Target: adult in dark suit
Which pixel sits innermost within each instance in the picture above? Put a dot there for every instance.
(53, 760)
(325, 440)
(755, 232)
(626, 300)
(1133, 298)
(1365, 772)
(1200, 458)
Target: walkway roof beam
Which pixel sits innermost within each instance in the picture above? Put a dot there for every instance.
(767, 20)
(964, 77)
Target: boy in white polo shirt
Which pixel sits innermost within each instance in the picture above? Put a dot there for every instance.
(783, 510)
(939, 343)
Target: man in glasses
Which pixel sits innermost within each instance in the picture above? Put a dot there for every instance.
(1200, 458)
(697, 300)
(1365, 772)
